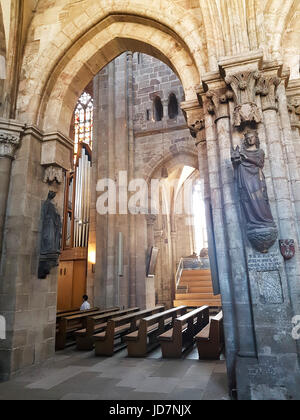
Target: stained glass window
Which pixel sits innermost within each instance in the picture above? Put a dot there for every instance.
(83, 125)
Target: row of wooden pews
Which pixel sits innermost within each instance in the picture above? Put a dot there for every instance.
(175, 330)
(96, 324)
(182, 335)
(112, 339)
(68, 324)
(143, 340)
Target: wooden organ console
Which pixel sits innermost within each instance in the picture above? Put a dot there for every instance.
(72, 282)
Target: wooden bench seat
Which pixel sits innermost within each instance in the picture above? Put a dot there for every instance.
(112, 338)
(140, 342)
(181, 336)
(210, 341)
(96, 324)
(69, 324)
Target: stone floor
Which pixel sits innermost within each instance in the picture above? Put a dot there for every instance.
(73, 375)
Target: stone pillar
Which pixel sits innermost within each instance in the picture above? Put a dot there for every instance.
(293, 106)
(274, 283)
(159, 243)
(114, 134)
(10, 134)
(198, 118)
(174, 258)
(165, 103)
(28, 303)
(151, 219)
(150, 281)
(218, 98)
(289, 148)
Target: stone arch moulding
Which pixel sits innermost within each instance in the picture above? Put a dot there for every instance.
(2, 34)
(52, 109)
(182, 156)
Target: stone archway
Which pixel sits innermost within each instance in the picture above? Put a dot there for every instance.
(59, 97)
(161, 228)
(53, 108)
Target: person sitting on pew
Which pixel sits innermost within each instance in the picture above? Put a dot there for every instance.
(85, 306)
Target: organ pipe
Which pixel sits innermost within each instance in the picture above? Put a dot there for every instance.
(78, 196)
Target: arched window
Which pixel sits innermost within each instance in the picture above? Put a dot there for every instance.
(172, 106)
(83, 125)
(158, 109)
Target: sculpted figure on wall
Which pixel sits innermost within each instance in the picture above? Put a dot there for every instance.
(50, 237)
(249, 163)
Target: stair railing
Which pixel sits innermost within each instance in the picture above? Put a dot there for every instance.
(179, 272)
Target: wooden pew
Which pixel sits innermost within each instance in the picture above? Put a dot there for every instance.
(70, 324)
(60, 312)
(181, 336)
(112, 339)
(210, 341)
(146, 337)
(63, 314)
(96, 324)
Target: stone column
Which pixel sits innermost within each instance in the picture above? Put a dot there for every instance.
(174, 257)
(293, 106)
(159, 243)
(197, 118)
(28, 303)
(150, 281)
(274, 283)
(151, 219)
(289, 148)
(10, 135)
(165, 103)
(133, 248)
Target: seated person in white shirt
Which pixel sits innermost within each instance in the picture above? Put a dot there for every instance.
(85, 306)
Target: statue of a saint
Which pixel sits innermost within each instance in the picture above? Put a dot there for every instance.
(51, 232)
(50, 237)
(249, 163)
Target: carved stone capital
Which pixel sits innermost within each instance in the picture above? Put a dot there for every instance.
(8, 144)
(267, 88)
(218, 103)
(197, 129)
(243, 85)
(194, 115)
(53, 174)
(294, 112)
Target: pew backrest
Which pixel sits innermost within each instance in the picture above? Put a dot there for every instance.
(93, 321)
(216, 327)
(131, 319)
(86, 314)
(192, 323)
(64, 314)
(160, 317)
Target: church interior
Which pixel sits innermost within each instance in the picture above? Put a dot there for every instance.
(149, 200)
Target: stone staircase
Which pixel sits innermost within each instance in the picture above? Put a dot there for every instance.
(195, 289)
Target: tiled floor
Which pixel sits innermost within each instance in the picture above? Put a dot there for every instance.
(73, 375)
